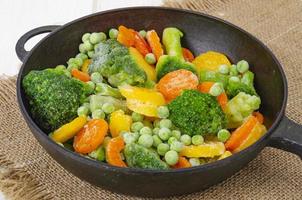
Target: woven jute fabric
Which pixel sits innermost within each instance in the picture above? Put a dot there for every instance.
(27, 172)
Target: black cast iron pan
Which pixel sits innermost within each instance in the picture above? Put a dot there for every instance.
(202, 33)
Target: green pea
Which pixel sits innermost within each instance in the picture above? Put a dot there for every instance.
(150, 58)
(176, 146)
(162, 149)
(155, 131)
(223, 69)
(186, 139)
(136, 126)
(163, 112)
(90, 54)
(142, 33)
(82, 48)
(67, 73)
(95, 38)
(103, 36)
(129, 137)
(223, 135)
(82, 111)
(136, 117)
(171, 157)
(165, 123)
(113, 33)
(164, 133)
(71, 67)
(197, 140)
(87, 105)
(216, 89)
(145, 130)
(85, 37)
(156, 140)
(194, 162)
(233, 70)
(61, 67)
(98, 114)
(171, 140)
(176, 134)
(145, 140)
(82, 56)
(242, 66)
(96, 77)
(91, 85)
(108, 108)
(88, 46)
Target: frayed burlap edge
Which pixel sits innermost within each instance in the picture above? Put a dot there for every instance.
(15, 182)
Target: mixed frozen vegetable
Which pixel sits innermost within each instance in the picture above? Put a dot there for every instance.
(135, 100)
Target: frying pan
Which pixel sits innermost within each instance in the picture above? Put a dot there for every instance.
(202, 33)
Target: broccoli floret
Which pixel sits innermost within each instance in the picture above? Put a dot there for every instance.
(106, 90)
(196, 113)
(168, 64)
(174, 60)
(53, 97)
(240, 107)
(246, 85)
(114, 62)
(141, 157)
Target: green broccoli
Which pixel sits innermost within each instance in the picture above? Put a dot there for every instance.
(174, 60)
(246, 85)
(240, 107)
(141, 157)
(114, 62)
(53, 97)
(213, 76)
(196, 113)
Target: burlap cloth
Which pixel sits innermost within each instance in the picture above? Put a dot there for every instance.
(27, 172)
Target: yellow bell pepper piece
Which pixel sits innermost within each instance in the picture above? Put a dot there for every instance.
(85, 65)
(225, 155)
(119, 121)
(210, 61)
(142, 100)
(206, 150)
(69, 130)
(257, 132)
(140, 61)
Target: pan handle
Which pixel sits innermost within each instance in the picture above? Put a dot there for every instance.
(20, 50)
(288, 137)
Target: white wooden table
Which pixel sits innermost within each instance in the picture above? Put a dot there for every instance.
(20, 16)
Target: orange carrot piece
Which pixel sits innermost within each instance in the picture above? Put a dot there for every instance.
(259, 116)
(141, 45)
(155, 44)
(126, 36)
(82, 76)
(241, 133)
(113, 149)
(182, 163)
(187, 54)
(90, 136)
(174, 82)
(205, 88)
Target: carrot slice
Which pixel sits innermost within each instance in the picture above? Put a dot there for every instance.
(141, 45)
(126, 36)
(187, 54)
(90, 136)
(82, 76)
(174, 82)
(155, 44)
(113, 156)
(241, 133)
(182, 163)
(259, 116)
(205, 88)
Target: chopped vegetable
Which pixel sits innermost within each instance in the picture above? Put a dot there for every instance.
(106, 90)
(259, 117)
(90, 136)
(85, 65)
(97, 101)
(145, 140)
(141, 157)
(186, 139)
(163, 148)
(98, 154)
(150, 58)
(197, 140)
(69, 130)
(80, 75)
(241, 133)
(136, 117)
(164, 133)
(96, 77)
(242, 66)
(113, 33)
(201, 114)
(113, 150)
(154, 43)
(141, 45)
(206, 150)
(142, 100)
(163, 112)
(187, 54)
(173, 83)
(182, 163)
(119, 122)
(225, 155)
(171, 157)
(246, 85)
(223, 135)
